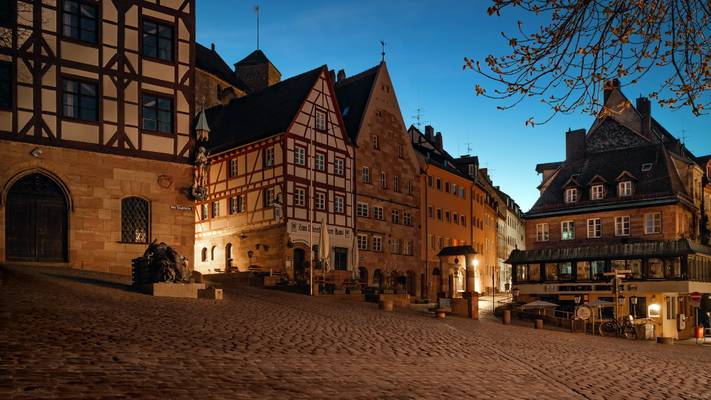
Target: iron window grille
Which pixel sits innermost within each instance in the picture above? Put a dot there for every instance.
(134, 220)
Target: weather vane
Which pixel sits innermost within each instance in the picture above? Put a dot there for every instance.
(256, 11)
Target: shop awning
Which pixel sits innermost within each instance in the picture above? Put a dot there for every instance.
(456, 251)
(666, 248)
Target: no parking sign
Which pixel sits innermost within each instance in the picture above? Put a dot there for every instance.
(695, 299)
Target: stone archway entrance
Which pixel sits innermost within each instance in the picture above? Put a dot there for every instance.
(36, 220)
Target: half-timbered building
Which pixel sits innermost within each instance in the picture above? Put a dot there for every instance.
(280, 163)
(96, 110)
(387, 181)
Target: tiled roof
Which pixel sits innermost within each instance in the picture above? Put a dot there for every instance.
(255, 58)
(659, 181)
(456, 251)
(353, 94)
(211, 62)
(259, 115)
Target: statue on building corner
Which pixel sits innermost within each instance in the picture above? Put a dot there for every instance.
(202, 164)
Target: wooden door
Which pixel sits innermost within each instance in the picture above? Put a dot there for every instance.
(36, 221)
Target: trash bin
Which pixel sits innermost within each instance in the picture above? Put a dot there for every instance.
(507, 317)
(538, 324)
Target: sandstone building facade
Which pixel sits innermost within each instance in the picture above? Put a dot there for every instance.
(95, 131)
(386, 180)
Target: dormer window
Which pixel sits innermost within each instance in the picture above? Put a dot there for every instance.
(571, 195)
(597, 192)
(624, 189)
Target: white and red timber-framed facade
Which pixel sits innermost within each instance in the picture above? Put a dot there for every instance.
(387, 177)
(272, 178)
(628, 197)
(96, 131)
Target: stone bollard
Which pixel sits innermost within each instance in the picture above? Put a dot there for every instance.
(440, 313)
(538, 324)
(386, 305)
(507, 317)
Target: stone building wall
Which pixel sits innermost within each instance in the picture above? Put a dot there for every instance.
(211, 91)
(96, 183)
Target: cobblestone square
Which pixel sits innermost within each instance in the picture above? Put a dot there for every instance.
(69, 336)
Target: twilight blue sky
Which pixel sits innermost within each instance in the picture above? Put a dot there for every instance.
(426, 43)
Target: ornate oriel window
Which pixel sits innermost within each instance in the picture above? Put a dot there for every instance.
(135, 216)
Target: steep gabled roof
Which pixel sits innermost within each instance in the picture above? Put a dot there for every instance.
(211, 62)
(353, 94)
(259, 115)
(660, 181)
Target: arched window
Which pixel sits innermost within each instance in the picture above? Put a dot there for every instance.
(203, 256)
(135, 213)
(212, 253)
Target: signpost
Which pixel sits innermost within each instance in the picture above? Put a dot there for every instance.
(618, 275)
(696, 303)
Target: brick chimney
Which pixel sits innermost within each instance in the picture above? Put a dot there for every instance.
(575, 145)
(438, 140)
(644, 108)
(610, 86)
(429, 132)
(341, 75)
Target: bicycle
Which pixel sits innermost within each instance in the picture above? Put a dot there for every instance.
(623, 328)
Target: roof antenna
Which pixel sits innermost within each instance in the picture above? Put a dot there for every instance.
(469, 148)
(256, 11)
(382, 52)
(418, 118)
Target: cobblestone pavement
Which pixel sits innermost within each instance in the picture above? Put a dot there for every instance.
(77, 338)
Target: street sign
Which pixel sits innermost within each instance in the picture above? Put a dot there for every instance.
(695, 299)
(583, 312)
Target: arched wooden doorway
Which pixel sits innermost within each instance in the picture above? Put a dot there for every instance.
(228, 257)
(36, 220)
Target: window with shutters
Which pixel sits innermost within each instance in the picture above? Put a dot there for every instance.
(135, 214)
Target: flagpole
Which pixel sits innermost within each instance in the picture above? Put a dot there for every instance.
(311, 213)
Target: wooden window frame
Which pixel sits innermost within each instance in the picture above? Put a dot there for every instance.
(570, 225)
(96, 20)
(97, 98)
(300, 200)
(620, 223)
(322, 111)
(173, 117)
(323, 195)
(266, 151)
(233, 167)
(342, 198)
(7, 65)
(300, 149)
(595, 235)
(325, 161)
(174, 40)
(342, 170)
